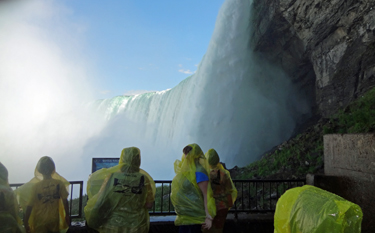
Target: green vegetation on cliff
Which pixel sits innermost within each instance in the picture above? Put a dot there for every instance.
(303, 154)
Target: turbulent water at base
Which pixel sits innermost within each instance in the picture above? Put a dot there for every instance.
(235, 103)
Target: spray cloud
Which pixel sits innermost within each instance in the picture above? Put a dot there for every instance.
(43, 85)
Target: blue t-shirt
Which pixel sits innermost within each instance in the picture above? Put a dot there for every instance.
(200, 177)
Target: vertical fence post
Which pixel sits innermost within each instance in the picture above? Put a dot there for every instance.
(235, 205)
(169, 198)
(162, 197)
(71, 203)
(249, 194)
(80, 199)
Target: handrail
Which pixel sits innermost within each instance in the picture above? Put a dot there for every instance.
(72, 183)
(262, 195)
(79, 215)
(16, 185)
(259, 196)
(160, 193)
(254, 196)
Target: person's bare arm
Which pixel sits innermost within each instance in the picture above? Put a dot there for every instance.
(228, 190)
(149, 205)
(203, 187)
(14, 207)
(26, 218)
(150, 196)
(230, 200)
(66, 207)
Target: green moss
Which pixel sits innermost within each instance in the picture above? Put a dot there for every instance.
(359, 117)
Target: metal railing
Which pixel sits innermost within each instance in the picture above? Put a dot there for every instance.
(257, 196)
(163, 204)
(253, 196)
(80, 199)
(71, 199)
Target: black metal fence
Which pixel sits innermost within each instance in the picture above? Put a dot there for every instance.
(162, 204)
(254, 196)
(75, 209)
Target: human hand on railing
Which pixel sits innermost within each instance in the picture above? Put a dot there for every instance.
(67, 219)
(27, 228)
(208, 222)
(149, 205)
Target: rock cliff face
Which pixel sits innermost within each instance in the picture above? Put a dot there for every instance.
(327, 47)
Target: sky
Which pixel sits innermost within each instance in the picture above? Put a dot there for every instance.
(57, 54)
(138, 46)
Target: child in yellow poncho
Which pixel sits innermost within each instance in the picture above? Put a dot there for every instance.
(45, 200)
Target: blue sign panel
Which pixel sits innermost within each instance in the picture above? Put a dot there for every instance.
(99, 163)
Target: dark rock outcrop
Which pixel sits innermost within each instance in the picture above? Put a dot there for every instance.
(327, 47)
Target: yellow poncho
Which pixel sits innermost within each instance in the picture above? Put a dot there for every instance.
(26, 193)
(309, 209)
(119, 205)
(10, 222)
(186, 195)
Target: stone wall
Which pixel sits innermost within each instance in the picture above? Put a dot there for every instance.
(327, 47)
(351, 155)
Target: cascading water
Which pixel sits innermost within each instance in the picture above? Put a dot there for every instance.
(235, 103)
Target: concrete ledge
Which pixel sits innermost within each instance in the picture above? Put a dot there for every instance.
(259, 223)
(262, 223)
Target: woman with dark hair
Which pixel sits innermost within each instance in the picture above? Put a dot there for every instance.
(191, 191)
(122, 203)
(45, 200)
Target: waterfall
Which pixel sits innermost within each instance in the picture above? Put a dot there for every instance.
(235, 103)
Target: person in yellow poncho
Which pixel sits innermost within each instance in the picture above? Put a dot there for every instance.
(224, 191)
(45, 199)
(9, 220)
(191, 191)
(309, 209)
(126, 194)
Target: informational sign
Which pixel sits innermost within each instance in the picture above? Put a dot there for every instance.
(99, 163)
